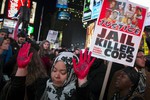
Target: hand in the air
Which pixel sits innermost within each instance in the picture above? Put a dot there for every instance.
(23, 58)
(82, 68)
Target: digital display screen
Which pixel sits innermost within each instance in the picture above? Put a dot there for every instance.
(91, 9)
(62, 4)
(63, 15)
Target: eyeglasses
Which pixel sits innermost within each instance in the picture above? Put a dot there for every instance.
(141, 57)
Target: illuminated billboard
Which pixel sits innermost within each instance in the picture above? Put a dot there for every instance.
(62, 4)
(33, 10)
(2, 6)
(14, 5)
(91, 9)
(9, 23)
(63, 15)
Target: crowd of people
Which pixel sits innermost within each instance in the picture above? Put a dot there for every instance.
(31, 71)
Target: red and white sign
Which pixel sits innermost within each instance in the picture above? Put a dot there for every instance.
(118, 31)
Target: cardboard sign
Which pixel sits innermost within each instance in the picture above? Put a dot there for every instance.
(118, 31)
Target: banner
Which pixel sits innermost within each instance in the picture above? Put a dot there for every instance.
(118, 31)
(52, 36)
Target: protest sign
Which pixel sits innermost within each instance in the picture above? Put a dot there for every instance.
(118, 31)
(52, 36)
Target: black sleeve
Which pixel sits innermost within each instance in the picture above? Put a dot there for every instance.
(40, 86)
(82, 93)
(9, 66)
(16, 90)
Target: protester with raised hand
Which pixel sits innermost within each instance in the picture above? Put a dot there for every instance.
(27, 75)
(62, 85)
(82, 68)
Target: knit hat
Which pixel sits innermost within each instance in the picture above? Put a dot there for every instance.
(132, 74)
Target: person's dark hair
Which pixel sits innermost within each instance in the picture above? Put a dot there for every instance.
(62, 50)
(21, 34)
(133, 76)
(140, 50)
(4, 30)
(2, 40)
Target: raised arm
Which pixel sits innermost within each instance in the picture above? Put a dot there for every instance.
(82, 68)
(23, 59)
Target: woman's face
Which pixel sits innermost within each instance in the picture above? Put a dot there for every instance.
(46, 45)
(140, 60)
(59, 74)
(4, 45)
(123, 81)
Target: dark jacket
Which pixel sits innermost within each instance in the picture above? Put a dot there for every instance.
(16, 90)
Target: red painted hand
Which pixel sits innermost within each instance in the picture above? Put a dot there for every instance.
(23, 58)
(82, 68)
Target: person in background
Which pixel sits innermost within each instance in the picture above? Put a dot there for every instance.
(3, 32)
(7, 53)
(56, 52)
(16, 45)
(3, 46)
(144, 83)
(44, 48)
(44, 52)
(63, 83)
(35, 76)
(77, 51)
(142, 89)
(125, 84)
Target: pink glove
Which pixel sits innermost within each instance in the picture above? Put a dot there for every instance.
(82, 68)
(23, 59)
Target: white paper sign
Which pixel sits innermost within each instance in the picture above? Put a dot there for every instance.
(52, 36)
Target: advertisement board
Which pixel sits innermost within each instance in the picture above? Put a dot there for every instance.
(91, 9)
(14, 5)
(62, 4)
